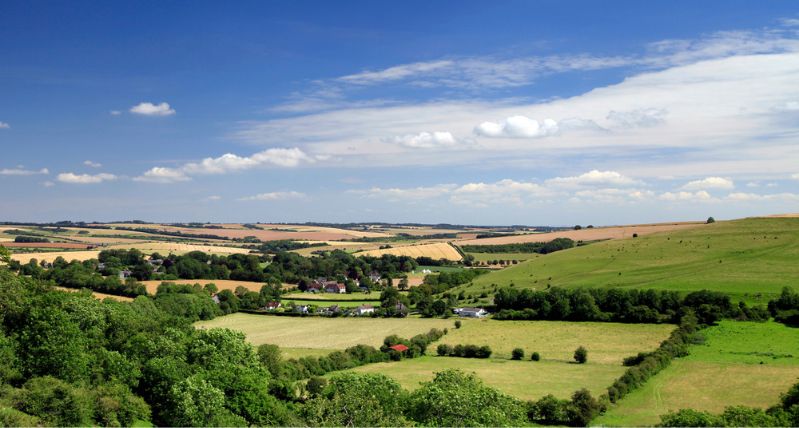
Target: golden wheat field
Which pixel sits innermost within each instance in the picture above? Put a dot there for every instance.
(438, 250)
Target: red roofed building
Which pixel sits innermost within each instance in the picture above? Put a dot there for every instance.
(399, 348)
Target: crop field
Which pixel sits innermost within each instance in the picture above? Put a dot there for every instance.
(741, 363)
(322, 333)
(585, 234)
(438, 250)
(607, 344)
(221, 284)
(50, 256)
(177, 248)
(264, 232)
(750, 259)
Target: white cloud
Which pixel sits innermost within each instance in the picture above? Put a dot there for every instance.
(637, 118)
(407, 194)
(92, 164)
(226, 163)
(686, 196)
(150, 109)
(4, 125)
(518, 127)
(22, 171)
(709, 183)
(115, 112)
(72, 178)
(275, 196)
(795, 176)
(426, 140)
(394, 73)
(593, 178)
(162, 175)
(48, 183)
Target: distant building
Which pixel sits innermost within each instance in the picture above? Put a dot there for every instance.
(125, 274)
(271, 306)
(471, 312)
(398, 348)
(364, 310)
(335, 287)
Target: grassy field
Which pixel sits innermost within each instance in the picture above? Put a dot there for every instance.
(726, 370)
(322, 333)
(607, 345)
(526, 380)
(750, 259)
(343, 303)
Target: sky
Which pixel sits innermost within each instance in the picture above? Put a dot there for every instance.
(484, 113)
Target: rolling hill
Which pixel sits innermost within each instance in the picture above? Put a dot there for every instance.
(750, 259)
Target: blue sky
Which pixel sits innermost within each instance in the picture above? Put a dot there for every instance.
(461, 112)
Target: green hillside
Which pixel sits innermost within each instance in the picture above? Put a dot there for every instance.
(750, 259)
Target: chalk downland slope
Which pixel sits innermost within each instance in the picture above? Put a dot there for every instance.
(750, 259)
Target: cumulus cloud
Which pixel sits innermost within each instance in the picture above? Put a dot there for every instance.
(72, 178)
(426, 140)
(414, 193)
(274, 196)
(518, 127)
(162, 175)
(686, 196)
(226, 163)
(710, 183)
(593, 178)
(150, 109)
(4, 125)
(22, 171)
(639, 118)
(92, 164)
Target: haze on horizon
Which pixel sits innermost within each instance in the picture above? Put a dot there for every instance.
(524, 112)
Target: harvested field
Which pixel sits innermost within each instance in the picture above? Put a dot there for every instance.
(322, 333)
(221, 284)
(594, 234)
(177, 248)
(439, 250)
(97, 295)
(51, 256)
(264, 234)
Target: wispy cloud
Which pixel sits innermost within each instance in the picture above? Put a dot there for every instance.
(4, 125)
(594, 178)
(22, 171)
(150, 109)
(72, 178)
(274, 196)
(92, 164)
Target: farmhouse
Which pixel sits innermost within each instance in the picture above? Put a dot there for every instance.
(335, 287)
(471, 312)
(313, 287)
(271, 306)
(125, 274)
(364, 310)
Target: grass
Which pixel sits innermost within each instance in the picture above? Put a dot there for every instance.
(750, 259)
(726, 370)
(332, 296)
(322, 302)
(608, 344)
(527, 380)
(322, 333)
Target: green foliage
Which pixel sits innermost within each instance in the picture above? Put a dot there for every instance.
(581, 355)
(535, 356)
(357, 400)
(556, 244)
(55, 402)
(454, 398)
(517, 354)
(458, 323)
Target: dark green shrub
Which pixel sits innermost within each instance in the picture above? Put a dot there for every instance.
(536, 356)
(517, 354)
(581, 355)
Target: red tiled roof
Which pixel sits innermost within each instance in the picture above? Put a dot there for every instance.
(399, 348)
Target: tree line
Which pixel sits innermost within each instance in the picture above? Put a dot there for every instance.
(556, 244)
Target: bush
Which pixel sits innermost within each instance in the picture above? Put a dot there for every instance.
(581, 355)
(536, 356)
(444, 350)
(517, 354)
(457, 323)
